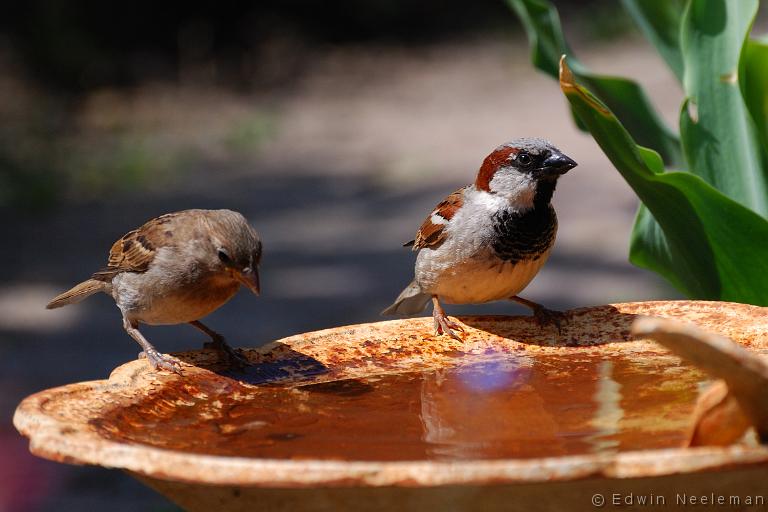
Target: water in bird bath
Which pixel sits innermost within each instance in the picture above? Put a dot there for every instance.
(493, 406)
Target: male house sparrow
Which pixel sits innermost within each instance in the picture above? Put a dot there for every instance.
(488, 240)
(176, 268)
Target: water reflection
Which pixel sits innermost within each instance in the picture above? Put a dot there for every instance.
(464, 410)
(609, 412)
(488, 406)
(498, 372)
(531, 406)
(554, 405)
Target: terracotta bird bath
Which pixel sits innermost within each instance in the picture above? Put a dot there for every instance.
(388, 416)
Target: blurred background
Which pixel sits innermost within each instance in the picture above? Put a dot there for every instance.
(334, 127)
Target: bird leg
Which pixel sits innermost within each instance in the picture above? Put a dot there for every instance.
(443, 325)
(155, 358)
(542, 315)
(219, 344)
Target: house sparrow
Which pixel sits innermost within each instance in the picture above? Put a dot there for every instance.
(177, 268)
(487, 241)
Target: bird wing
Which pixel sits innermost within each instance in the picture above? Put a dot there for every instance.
(432, 231)
(135, 251)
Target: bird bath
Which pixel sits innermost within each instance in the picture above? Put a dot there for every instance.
(388, 416)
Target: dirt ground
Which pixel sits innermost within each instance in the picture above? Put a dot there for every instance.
(358, 152)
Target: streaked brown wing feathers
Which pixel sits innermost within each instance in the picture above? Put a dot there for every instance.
(431, 233)
(135, 251)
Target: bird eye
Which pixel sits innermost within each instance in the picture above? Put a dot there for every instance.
(524, 159)
(224, 257)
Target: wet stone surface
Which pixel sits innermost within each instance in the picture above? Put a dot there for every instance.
(486, 406)
(406, 407)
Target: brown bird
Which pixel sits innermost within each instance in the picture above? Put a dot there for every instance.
(177, 268)
(487, 241)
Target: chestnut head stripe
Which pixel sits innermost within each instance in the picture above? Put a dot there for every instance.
(491, 164)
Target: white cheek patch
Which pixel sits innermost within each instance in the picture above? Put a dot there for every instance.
(518, 188)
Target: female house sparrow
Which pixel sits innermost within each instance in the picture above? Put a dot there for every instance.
(488, 240)
(176, 268)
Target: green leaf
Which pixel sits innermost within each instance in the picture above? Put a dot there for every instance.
(545, 36)
(625, 97)
(659, 21)
(753, 77)
(720, 141)
(706, 244)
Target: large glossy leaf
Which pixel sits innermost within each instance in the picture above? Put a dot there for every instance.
(753, 77)
(705, 243)
(623, 96)
(660, 22)
(720, 141)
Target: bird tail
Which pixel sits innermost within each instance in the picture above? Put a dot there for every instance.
(77, 293)
(410, 302)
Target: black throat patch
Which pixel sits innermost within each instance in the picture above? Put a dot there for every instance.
(526, 235)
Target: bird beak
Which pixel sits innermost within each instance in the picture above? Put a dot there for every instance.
(557, 164)
(249, 277)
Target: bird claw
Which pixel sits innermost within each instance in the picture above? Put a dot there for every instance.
(161, 361)
(234, 356)
(544, 316)
(443, 325)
